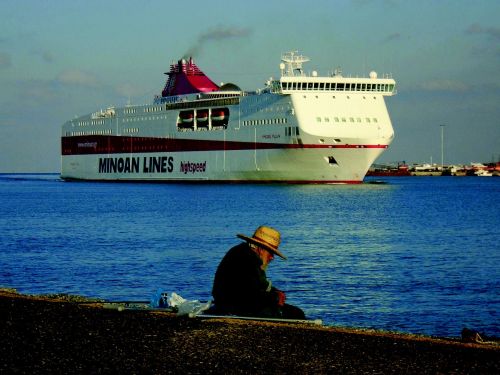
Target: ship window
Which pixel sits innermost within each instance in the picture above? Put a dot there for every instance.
(327, 119)
(351, 119)
(337, 119)
(327, 86)
(321, 85)
(358, 87)
(347, 87)
(316, 85)
(375, 120)
(331, 160)
(363, 87)
(318, 119)
(368, 120)
(340, 86)
(309, 85)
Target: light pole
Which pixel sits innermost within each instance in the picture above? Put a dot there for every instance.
(442, 146)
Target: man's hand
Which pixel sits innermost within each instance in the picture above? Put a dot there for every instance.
(281, 297)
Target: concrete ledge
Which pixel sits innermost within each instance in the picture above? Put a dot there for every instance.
(61, 335)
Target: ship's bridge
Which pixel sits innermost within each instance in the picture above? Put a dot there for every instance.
(294, 79)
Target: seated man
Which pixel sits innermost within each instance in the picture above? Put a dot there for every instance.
(241, 286)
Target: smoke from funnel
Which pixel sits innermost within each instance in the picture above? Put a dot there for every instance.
(215, 35)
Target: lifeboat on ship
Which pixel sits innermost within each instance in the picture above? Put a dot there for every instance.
(186, 117)
(218, 115)
(202, 116)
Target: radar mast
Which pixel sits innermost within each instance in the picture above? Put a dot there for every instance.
(291, 64)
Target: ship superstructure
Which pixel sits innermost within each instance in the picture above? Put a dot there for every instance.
(300, 128)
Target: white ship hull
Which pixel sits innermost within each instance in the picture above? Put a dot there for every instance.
(330, 132)
(293, 166)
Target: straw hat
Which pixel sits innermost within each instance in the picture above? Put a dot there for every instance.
(265, 237)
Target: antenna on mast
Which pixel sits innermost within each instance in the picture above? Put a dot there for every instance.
(291, 63)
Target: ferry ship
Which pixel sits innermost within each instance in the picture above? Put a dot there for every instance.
(300, 128)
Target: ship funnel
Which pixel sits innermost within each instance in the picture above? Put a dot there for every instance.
(186, 78)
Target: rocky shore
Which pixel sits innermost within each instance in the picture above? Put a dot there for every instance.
(58, 335)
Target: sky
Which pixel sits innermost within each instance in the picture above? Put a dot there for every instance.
(61, 59)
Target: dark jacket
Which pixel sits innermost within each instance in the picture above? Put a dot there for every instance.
(241, 286)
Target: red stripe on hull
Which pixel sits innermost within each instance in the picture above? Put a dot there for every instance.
(203, 181)
(87, 145)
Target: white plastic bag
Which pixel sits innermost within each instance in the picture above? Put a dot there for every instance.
(175, 300)
(185, 307)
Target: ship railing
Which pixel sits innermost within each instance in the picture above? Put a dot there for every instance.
(220, 102)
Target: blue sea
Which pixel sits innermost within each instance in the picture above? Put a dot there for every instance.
(415, 254)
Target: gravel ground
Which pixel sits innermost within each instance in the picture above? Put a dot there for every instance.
(54, 335)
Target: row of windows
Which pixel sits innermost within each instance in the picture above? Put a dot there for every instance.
(337, 86)
(150, 118)
(93, 122)
(344, 119)
(127, 119)
(129, 111)
(153, 109)
(269, 109)
(90, 132)
(272, 121)
(334, 97)
(268, 121)
(131, 130)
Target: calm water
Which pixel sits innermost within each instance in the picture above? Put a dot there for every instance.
(418, 255)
